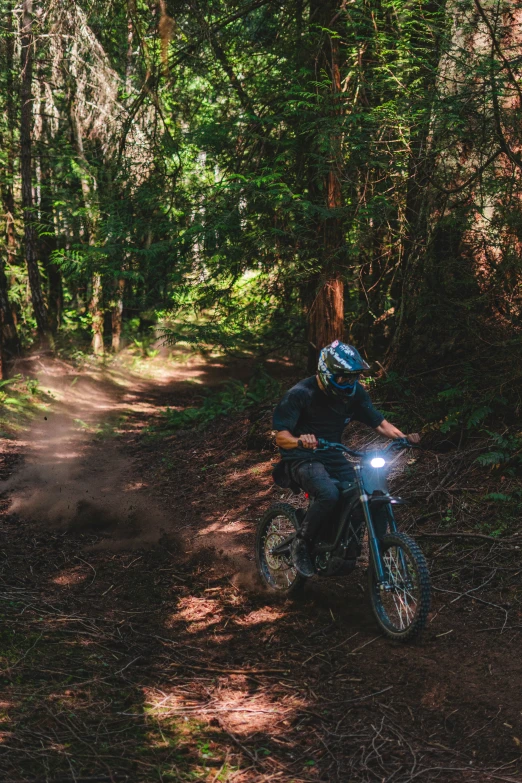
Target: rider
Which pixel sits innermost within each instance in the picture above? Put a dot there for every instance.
(321, 407)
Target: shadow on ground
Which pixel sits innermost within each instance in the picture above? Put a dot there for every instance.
(136, 644)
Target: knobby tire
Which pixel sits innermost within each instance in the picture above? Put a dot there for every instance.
(419, 567)
(288, 513)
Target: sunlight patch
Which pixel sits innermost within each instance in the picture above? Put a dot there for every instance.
(71, 576)
(134, 486)
(266, 614)
(240, 711)
(235, 526)
(198, 612)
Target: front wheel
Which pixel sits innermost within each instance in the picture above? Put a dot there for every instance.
(277, 524)
(402, 603)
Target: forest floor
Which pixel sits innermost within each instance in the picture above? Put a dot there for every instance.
(137, 645)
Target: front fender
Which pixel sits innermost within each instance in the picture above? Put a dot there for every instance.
(381, 500)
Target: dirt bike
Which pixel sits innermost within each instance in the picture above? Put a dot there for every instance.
(398, 576)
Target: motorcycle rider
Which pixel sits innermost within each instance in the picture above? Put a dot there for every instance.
(320, 407)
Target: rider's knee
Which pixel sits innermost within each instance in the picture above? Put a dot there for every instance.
(329, 493)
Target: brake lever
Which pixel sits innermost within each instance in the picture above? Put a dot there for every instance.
(322, 445)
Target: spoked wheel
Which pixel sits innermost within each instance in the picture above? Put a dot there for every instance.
(402, 604)
(276, 525)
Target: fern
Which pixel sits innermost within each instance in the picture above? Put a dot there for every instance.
(492, 458)
(477, 416)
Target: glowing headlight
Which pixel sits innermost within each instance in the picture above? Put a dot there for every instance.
(378, 462)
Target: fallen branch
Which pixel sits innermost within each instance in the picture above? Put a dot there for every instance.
(464, 535)
(473, 598)
(215, 669)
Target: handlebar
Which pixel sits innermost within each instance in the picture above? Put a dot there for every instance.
(399, 443)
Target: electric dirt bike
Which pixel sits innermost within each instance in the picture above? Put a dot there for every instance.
(398, 576)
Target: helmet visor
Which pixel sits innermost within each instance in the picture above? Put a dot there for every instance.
(346, 380)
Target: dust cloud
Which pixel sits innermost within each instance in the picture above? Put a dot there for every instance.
(75, 476)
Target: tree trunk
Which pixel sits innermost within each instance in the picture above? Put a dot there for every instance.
(96, 301)
(96, 312)
(30, 237)
(47, 239)
(326, 314)
(8, 334)
(55, 295)
(117, 315)
(131, 10)
(325, 318)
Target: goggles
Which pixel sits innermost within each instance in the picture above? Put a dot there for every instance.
(347, 380)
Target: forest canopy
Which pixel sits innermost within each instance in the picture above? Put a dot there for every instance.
(256, 174)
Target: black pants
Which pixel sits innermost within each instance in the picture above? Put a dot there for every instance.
(316, 479)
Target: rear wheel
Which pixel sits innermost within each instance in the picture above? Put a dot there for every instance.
(401, 605)
(276, 525)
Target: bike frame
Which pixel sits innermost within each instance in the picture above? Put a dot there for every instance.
(373, 541)
(344, 520)
(366, 502)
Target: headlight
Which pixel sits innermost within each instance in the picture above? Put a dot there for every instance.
(378, 462)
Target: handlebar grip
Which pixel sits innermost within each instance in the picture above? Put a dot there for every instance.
(404, 443)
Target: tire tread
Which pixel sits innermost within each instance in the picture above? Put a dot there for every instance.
(423, 573)
(289, 511)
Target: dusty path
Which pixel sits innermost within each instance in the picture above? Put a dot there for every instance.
(137, 646)
(75, 477)
(81, 469)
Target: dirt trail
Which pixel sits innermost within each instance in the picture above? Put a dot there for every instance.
(75, 476)
(80, 470)
(136, 645)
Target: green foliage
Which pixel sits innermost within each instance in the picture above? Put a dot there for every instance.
(464, 407)
(194, 175)
(245, 316)
(498, 497)
(234, 397)
(21, 399)
(144, 347)
(507, 451)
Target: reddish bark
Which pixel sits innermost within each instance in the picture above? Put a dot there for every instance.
(326, 315)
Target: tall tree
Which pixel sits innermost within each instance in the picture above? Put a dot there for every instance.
(10, 341)
(26, 126)
(91, 220)
(326, 311)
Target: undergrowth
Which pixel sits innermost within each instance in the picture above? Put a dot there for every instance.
(473, 414)
(233, 397)
(21, 399)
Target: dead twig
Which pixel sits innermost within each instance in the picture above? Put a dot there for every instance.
(470, 535)
(475, 598)
(220, 670)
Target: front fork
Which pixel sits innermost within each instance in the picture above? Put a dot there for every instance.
(373, 541)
